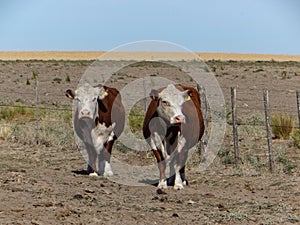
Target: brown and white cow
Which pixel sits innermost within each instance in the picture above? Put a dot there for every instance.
(173, 124)
(98, 120)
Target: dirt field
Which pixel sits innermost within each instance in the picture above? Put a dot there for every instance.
(39, 186)
(93, 55)
(44, 184)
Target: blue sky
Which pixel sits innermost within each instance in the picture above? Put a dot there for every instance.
(240, 26)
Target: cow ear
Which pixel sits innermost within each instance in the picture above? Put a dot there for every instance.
(187, 95)
(154, 94)
(70, 94)
(102, 93)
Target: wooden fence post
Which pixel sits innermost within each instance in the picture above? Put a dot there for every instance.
(37, 104)
(234, 126)
(269, 131)
(298, 107)
(204, 139)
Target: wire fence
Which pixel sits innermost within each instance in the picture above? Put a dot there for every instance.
(53, 126)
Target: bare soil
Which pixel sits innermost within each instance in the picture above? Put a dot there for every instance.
(44, 184)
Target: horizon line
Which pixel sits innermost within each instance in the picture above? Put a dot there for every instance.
(141, 55)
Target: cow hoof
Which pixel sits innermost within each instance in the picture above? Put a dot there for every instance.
(94, 174)
(185, 183)
(162, 185)
(108, 174)
(178, 186)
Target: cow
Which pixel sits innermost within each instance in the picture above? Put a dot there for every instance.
(99, 119)
(173, 124)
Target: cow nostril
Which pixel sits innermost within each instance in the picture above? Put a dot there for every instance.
(179, 119)
(85, 113)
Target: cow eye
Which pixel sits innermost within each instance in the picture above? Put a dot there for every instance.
(165, 103)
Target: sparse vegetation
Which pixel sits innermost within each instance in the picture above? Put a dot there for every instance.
(68, 79)
(57, 80)
(226, 157)
(19, 122)
(282, 125)
(136, 119)
(296, 138)
(150, 64)
(283, 75)
(9, 113)
(258, 70)
(27, 81)
(288, 165)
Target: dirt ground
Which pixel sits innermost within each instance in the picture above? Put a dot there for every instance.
(44, 184)
(40, 186)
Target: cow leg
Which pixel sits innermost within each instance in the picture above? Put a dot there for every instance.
(178, 181)
(162, 169)
(92, 156)
(184, 153)
(180, 162)
(182, 175)
(104, 160)
(173, 161)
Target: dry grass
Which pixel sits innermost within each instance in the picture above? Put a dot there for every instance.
(282, 125)
(92, 55)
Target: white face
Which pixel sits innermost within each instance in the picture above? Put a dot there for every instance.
(170, 104)
(85, 99)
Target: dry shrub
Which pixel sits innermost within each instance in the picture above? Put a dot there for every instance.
(296, 138)
(282, 125)
(5, 132)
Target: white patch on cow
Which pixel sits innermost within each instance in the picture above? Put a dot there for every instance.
(107, 170)
(85, 100)
(170, 105)
(178, 181)
(162, 184)
(158, 143)
(94, 174)
(181, 142)
(101, 135)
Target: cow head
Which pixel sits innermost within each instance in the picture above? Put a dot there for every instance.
(85, 99)
(169, 104)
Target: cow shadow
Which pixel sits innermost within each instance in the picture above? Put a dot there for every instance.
(80, 172)
(154, 182)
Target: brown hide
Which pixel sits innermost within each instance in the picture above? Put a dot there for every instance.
(111, 110)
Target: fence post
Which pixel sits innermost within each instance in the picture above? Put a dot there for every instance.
(234, 126)
(204, 139)
(269, 131)
(37, 137)
(298, 107)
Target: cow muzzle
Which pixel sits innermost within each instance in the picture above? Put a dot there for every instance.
(179, 119)
(85, 114)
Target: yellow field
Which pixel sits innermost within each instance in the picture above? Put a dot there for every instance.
(92, 55)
